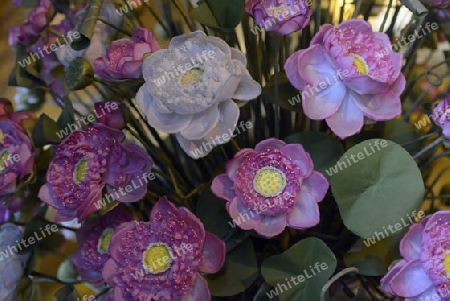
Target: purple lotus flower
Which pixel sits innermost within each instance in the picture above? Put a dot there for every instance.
(280, 16)
(38, 19)
(189, 90)
(163, 259)
(347, 73)
(12, 265)
(442, 4)
(123, 58)
(94, 239)
(441, 115)
(424, 271)
(112, 114)
(89, 160)
(272, 186)
(16, 157)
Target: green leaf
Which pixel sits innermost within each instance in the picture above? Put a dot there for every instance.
(79, 74)
(67, 293)
(219, 14)
(401, 132)
(239, 272)
(309, 261)
(383, 187)
(26, 76)
(324, 149)
(211, 211)
(67, 115)
(87, 25)
(45, 131)
(32, 231)
(67, 271)
(289, 98)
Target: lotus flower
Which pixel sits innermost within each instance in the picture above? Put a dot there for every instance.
(424, 271)
(89, 160)
(272, 186)
(348, 72)
(441, 115)
(163, 259)
(280, 16)
(189, 89)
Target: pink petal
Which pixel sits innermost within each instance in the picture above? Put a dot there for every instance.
(411, 280)
(243, 217)
(297, 153)
(200, 290)
(109, 270)
(393, 271)
(233, 165)
(364, 84)
(201, 124)
(214, 252)
(362, 25)
(271, 226)
(318, 38)
(305, 213)
(316, 185)
(399, 85)
(223, 187)
(348, 120)
(411, 243)
(429, 295)
(325, 103)
(315, 66)
(269, 143)
(291, 68)
(380, 106)
(131, 69)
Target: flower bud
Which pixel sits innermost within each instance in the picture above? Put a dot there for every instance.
(112, 114)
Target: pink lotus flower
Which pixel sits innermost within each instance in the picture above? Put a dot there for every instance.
(441, 115)
(94, 239)
(123, 58)
(163, 259)
(89, 160)
(347, 73)
(272, 186)
(280, 16)
(424, 271)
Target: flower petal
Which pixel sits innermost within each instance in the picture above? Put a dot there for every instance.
(109, 270)
(214, 252)
(411, 280)
(324, 103)
(348, 120)
(393, 271)
(305, 213)
(291, 69)
(270, 143)
(411, 243)
(380, 106)
(365, 84)
(223, 187)
(228, 117)
(316, 185)
(315, 66)
(233, 165)
(297, 153)
(200, 290)
(242, 216)
(271, 226)
(201, 124)
(168, 123)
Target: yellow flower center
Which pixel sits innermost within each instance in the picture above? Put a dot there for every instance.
(360, 64)
(2, 137)
(447, 263)
(191, 77)
(157, 258)
(269, 181)
(80, 171)
(3, 158)
(104, 241)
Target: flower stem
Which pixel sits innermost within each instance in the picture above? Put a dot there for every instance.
(276, 70)
(428, 147)
(115, 27)
(53, 278)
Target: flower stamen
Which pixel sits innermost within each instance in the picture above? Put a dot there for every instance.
(104, 241)
(80, 170)
(157, 258)
(269, 181)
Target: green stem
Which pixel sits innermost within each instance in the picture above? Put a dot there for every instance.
(116, 28)
(186, 20)
(428, 147)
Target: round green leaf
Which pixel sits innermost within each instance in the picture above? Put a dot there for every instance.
(239, 272)
(376, 187)
(306, 258)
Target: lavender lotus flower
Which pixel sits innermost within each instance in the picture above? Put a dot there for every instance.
(189, 89)
(272, 186)
(123, 58)
(280, 16)
(89, 160)
(163, 259)
(16, 157)
(441, 115)
(347, 73)
(94, 239)
(424, 271)
(38, 19)
(12, 265)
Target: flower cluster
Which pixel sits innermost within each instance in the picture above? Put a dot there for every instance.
(87, 161)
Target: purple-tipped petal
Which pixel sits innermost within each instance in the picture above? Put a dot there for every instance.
(109, 271)
(411, 243)
(200, 290)
(380, 106)
(305, 213)
(269, 143)
(324, 103)
(316, 185)
(393, 271)
(314, 66)
(235, 163)
(411, 280)
(271, 226)
(348, 120)
(223, 187)
(214, 252)
(297, 153)
(291, 69)
(243, 217)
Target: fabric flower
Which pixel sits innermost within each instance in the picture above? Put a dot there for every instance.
(89, 160)
(189, 89)
(16, 157)
(11, 265)
(272, 186)
(112, 114)
(424, 271)
(347, 73)
(441, 115)
(123, 58)
(280, 16)
(163, 259)
(94, 239)
(38, 19)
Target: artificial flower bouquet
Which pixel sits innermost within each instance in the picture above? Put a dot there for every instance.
(227, 150)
